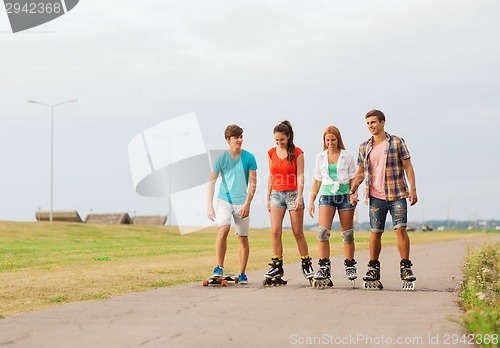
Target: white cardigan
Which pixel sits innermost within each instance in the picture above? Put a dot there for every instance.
(346, 169)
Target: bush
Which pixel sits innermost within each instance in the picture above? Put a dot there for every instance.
(481, 292)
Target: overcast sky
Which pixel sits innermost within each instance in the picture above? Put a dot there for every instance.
(431, 66)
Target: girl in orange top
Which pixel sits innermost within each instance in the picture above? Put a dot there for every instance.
(285, 192)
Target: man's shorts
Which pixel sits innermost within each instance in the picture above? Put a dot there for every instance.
(378, 213)
(284, 199)
(224, 212)
(339, 202)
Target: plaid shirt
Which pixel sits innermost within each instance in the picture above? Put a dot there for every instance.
(395, 182)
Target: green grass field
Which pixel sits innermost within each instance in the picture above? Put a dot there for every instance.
(46, 264)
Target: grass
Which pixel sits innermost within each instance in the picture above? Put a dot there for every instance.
(481, 293)
(48, 264)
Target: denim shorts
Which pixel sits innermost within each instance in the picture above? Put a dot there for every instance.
(379, 209)
(284, 199)
(339, 202)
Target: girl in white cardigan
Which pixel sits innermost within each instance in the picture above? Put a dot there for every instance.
(333, 173)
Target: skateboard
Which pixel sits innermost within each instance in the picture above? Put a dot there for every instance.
(222, 281)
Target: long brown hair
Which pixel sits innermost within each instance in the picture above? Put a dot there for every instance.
(335, 131)
(285, 127)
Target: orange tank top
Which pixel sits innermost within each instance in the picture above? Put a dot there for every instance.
(284, 172)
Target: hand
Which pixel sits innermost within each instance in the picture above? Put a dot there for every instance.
(353, 198)
(268, 206)
(211, 213)
(298, 204)
(413, 197)
(311, 209)
(245, 211)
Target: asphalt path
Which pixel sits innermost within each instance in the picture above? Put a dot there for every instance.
(255, 316)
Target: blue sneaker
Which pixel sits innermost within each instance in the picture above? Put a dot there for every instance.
(242, 278)
(218, 272)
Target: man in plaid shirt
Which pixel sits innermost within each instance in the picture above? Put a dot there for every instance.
(383, 161)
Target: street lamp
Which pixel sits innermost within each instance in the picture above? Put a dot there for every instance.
(52, 106)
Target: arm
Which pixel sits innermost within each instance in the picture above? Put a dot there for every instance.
(300, 182)
(354, 196)
(270, 181)
(314, 193)
(355, 183)
(360, 174)
(252, 185)
(210, 196)
(410, 174)
(358, 179)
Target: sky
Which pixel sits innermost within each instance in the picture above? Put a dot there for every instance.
(430, 66)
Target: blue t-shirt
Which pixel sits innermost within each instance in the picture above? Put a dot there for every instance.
(234, 173)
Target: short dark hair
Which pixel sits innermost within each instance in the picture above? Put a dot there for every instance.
(233, 131)
(380, 115)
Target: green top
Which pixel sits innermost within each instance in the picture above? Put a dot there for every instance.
(344, 188)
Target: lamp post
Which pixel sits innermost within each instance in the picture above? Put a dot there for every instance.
(51, 106)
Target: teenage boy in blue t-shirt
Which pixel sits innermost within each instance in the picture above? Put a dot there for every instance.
(238, 170)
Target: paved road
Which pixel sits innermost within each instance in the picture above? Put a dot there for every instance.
(254, 316)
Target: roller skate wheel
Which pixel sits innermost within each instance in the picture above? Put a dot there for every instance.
(316, 284)
(204, 282)
(223, 282)
(353, 283)
(322, 283)
(372, 285)
(408, 286)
